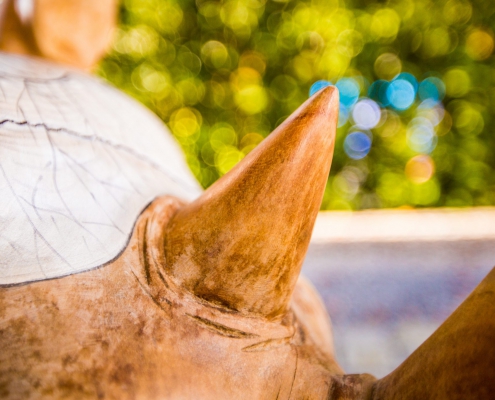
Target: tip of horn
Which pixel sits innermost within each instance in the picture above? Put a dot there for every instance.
(242, 243)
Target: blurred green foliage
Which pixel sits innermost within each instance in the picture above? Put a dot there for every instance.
(223, 74)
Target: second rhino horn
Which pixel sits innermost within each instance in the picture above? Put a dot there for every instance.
(242, 243)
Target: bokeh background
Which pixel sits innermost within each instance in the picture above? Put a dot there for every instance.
(417, 83)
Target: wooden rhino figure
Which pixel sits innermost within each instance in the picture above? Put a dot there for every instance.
(121, 279)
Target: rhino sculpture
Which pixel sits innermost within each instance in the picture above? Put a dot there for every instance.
(121, 279)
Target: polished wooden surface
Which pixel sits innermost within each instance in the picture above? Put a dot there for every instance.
(126, 331)
(242, 243)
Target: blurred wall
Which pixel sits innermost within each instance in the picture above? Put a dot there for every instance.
(389, 278)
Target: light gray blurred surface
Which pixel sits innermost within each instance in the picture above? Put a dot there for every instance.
(389, 278)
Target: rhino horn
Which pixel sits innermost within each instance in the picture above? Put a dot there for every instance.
(242, 243)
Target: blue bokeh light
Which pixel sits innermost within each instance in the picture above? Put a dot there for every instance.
(349, 91)
(357, 145)
(400, 94)
(317, 86)
(406, 76)
(431, 88)
(343, 115)
(378, 92)
(366, 114)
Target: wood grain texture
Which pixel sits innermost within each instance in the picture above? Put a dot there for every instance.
(242, 243)
(79, 161)
(126, 331)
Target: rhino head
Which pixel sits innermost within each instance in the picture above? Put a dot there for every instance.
(205, 299)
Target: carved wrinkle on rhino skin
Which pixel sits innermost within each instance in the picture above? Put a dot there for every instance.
(161, 289)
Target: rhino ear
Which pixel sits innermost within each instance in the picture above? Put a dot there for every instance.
(457, 361)
(242, 243)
